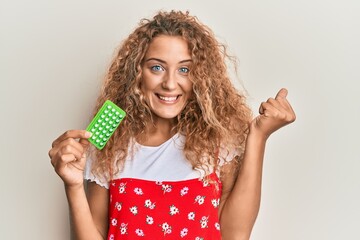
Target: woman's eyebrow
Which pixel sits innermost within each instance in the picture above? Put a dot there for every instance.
(162, 61)
(184, 61)
(155, 59)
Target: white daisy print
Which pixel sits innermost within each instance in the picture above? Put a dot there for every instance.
(118, 206)
(215, 202)
(122, 188)
(217, 226)
(184, 191)
(134, 210)
(205, 183)
(184, 232)
(149, 204)
(138, 191)
(166, 228)
(114, 221)
(200, 199)
(123, 228)
(204, 221)
(173, 210)
(166, 188)
(139, 232)
(111, 237)
(191, 216)
(149, 220)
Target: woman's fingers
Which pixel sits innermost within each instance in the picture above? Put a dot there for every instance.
(74, 148)
(279, 107)
(282, 93)
(70, 159)
(69, 145)
(68, 156)
(281, 98)
(74, 134)
(66, 149)
(65, 159)
(274, 114)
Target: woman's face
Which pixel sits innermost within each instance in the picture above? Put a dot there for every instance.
(165, 76)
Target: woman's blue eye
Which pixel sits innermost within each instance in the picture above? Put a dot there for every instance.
(156, 68)
(184, 70)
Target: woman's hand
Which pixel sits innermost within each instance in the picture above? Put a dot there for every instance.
(274, 114)
(68, 156)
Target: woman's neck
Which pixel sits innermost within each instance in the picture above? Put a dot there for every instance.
(157, 132)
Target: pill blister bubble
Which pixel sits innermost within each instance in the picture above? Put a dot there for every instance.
(97, 140)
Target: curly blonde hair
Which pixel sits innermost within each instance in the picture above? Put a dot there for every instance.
(215, 117)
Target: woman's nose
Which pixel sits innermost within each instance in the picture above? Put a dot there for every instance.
(169, 81)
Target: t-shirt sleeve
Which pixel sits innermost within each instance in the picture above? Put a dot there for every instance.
(88, 175)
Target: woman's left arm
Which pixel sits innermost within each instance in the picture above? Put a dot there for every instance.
(240, 201)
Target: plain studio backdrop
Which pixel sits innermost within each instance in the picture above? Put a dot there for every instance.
(54, 55)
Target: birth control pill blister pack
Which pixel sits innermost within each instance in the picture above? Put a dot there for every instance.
(105, 123)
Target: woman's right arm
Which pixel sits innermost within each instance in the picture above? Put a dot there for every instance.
(88, 213)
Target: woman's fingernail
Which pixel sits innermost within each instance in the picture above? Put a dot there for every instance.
(88, 134)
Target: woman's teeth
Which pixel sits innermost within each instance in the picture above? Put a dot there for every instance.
(168, 99)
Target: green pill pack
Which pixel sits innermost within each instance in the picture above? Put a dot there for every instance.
(104, 124)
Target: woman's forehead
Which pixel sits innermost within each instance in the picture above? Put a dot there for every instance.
(168, 48)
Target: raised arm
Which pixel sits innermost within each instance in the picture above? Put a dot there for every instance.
(242, 191)
(88, 218)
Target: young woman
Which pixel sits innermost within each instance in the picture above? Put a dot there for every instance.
(186, 162)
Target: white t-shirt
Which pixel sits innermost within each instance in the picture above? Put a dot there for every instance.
(165, 162)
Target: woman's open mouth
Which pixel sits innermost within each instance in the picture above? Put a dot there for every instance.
(168, 99)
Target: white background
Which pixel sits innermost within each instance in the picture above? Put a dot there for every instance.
(54, 54)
